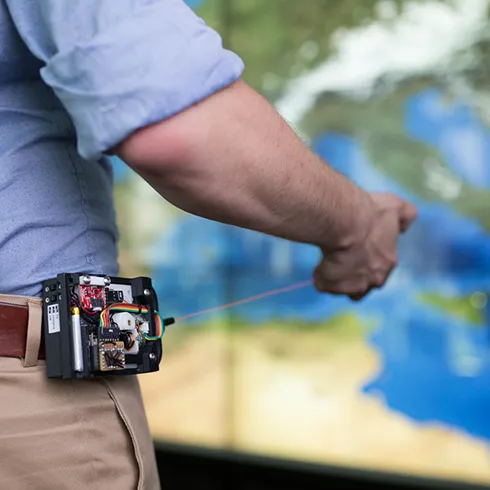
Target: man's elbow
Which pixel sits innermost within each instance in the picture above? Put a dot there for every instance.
(161, 149)
(184, 139)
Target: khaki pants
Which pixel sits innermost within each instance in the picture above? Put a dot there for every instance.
(73, 435)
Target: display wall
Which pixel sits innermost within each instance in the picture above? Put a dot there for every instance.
(395, 94)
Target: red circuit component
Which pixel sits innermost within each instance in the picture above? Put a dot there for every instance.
(92, 298)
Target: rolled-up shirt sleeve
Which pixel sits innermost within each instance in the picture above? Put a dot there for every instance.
(119, 65)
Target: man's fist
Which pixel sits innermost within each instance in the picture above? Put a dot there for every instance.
(366, 264)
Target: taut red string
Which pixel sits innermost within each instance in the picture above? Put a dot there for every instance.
(250, 299)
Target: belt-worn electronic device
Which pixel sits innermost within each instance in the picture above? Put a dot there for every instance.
(96, 325)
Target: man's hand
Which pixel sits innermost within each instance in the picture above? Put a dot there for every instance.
(366, 264)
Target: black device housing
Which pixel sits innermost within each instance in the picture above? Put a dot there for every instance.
(62, 349)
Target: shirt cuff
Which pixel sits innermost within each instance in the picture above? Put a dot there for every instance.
(141, 70)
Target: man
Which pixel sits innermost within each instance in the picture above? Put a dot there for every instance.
(148, 81)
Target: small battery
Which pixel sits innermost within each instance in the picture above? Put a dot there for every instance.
(77, 340)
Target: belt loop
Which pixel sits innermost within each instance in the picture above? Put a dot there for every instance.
(34, 327)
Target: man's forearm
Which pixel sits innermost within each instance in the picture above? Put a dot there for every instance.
(232, 158)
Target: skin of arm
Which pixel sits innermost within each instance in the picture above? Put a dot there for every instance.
(232, 158)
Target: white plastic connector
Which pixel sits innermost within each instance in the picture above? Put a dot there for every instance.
(145, 327)
(124, 320)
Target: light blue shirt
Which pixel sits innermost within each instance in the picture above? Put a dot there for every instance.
(77, 77)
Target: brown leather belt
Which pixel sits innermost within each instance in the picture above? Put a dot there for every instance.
(13, 331)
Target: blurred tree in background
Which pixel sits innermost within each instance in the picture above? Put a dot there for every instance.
(282, 39)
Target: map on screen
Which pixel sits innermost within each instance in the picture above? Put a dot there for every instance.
(396, 96)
